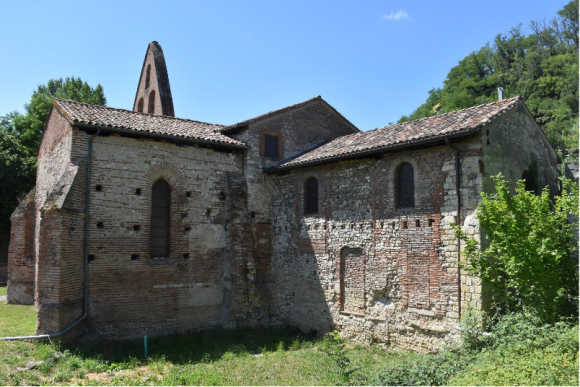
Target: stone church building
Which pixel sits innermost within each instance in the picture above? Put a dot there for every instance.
(144, 223)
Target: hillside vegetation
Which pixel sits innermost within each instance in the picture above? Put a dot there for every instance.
(541, 67)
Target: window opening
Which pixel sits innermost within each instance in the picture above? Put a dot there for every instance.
(311, 196)
(160, 218)
(271, 147)
(148, 76)
(151, 105)
(527, 177)
(405, 186)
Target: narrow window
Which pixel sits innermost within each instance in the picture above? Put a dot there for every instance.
(311, 196)
(527, 178)
(405, 186)
(148, 76)
(271, 147)
(481, 166)
(140, 105)
(151, 107)
(160, 219)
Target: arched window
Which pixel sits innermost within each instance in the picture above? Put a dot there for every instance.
(140, 105)
(151, 105)
(311, 196)
(405, 186)
(160, 219)
(148, 76)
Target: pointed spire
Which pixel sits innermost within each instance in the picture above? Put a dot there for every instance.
(153, 91)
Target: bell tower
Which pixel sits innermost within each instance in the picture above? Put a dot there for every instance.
(153, 91)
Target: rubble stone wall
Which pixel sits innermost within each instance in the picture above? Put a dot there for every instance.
(514, 143)
(297, 130)
(375, 272)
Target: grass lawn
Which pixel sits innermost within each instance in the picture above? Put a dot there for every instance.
(275, 357)
(219, 357)
(16, 320)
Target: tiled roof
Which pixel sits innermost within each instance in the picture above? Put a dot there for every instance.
(82, 114)
(240, 124)
(401, 135)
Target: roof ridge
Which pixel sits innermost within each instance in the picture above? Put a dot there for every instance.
(138, 113)
(517, 97)
(265, 115)
(425, 130)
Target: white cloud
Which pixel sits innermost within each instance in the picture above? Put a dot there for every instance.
(397, 16)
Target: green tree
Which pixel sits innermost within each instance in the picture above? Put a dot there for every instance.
(28, 127)
(541, 67)
(529, 260)
(17, 169)
(20, 135)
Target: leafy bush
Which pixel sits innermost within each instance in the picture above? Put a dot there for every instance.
(334, 346)
(527, 260)
(520, 349)
(426, 370)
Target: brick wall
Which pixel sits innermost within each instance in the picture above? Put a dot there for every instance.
(132, 294)
(4, 243)
(158, 83)
(21, 253)
(58, 229)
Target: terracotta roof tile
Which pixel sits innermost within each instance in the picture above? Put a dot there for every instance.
(403, 134)
(82, 114)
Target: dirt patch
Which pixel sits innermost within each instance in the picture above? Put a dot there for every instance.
(106, 377)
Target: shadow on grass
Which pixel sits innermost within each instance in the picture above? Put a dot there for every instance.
(204, 346)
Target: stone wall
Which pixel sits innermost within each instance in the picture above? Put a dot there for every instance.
(242, 252)
(205, 274)
(514, 143)
(375, 272)
(297, 130)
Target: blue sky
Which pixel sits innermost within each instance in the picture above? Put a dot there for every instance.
(230, 60)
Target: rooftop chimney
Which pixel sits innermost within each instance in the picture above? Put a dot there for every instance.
(499, 93)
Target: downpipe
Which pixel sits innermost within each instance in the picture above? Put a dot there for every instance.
(85, 255)
(458, 194)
